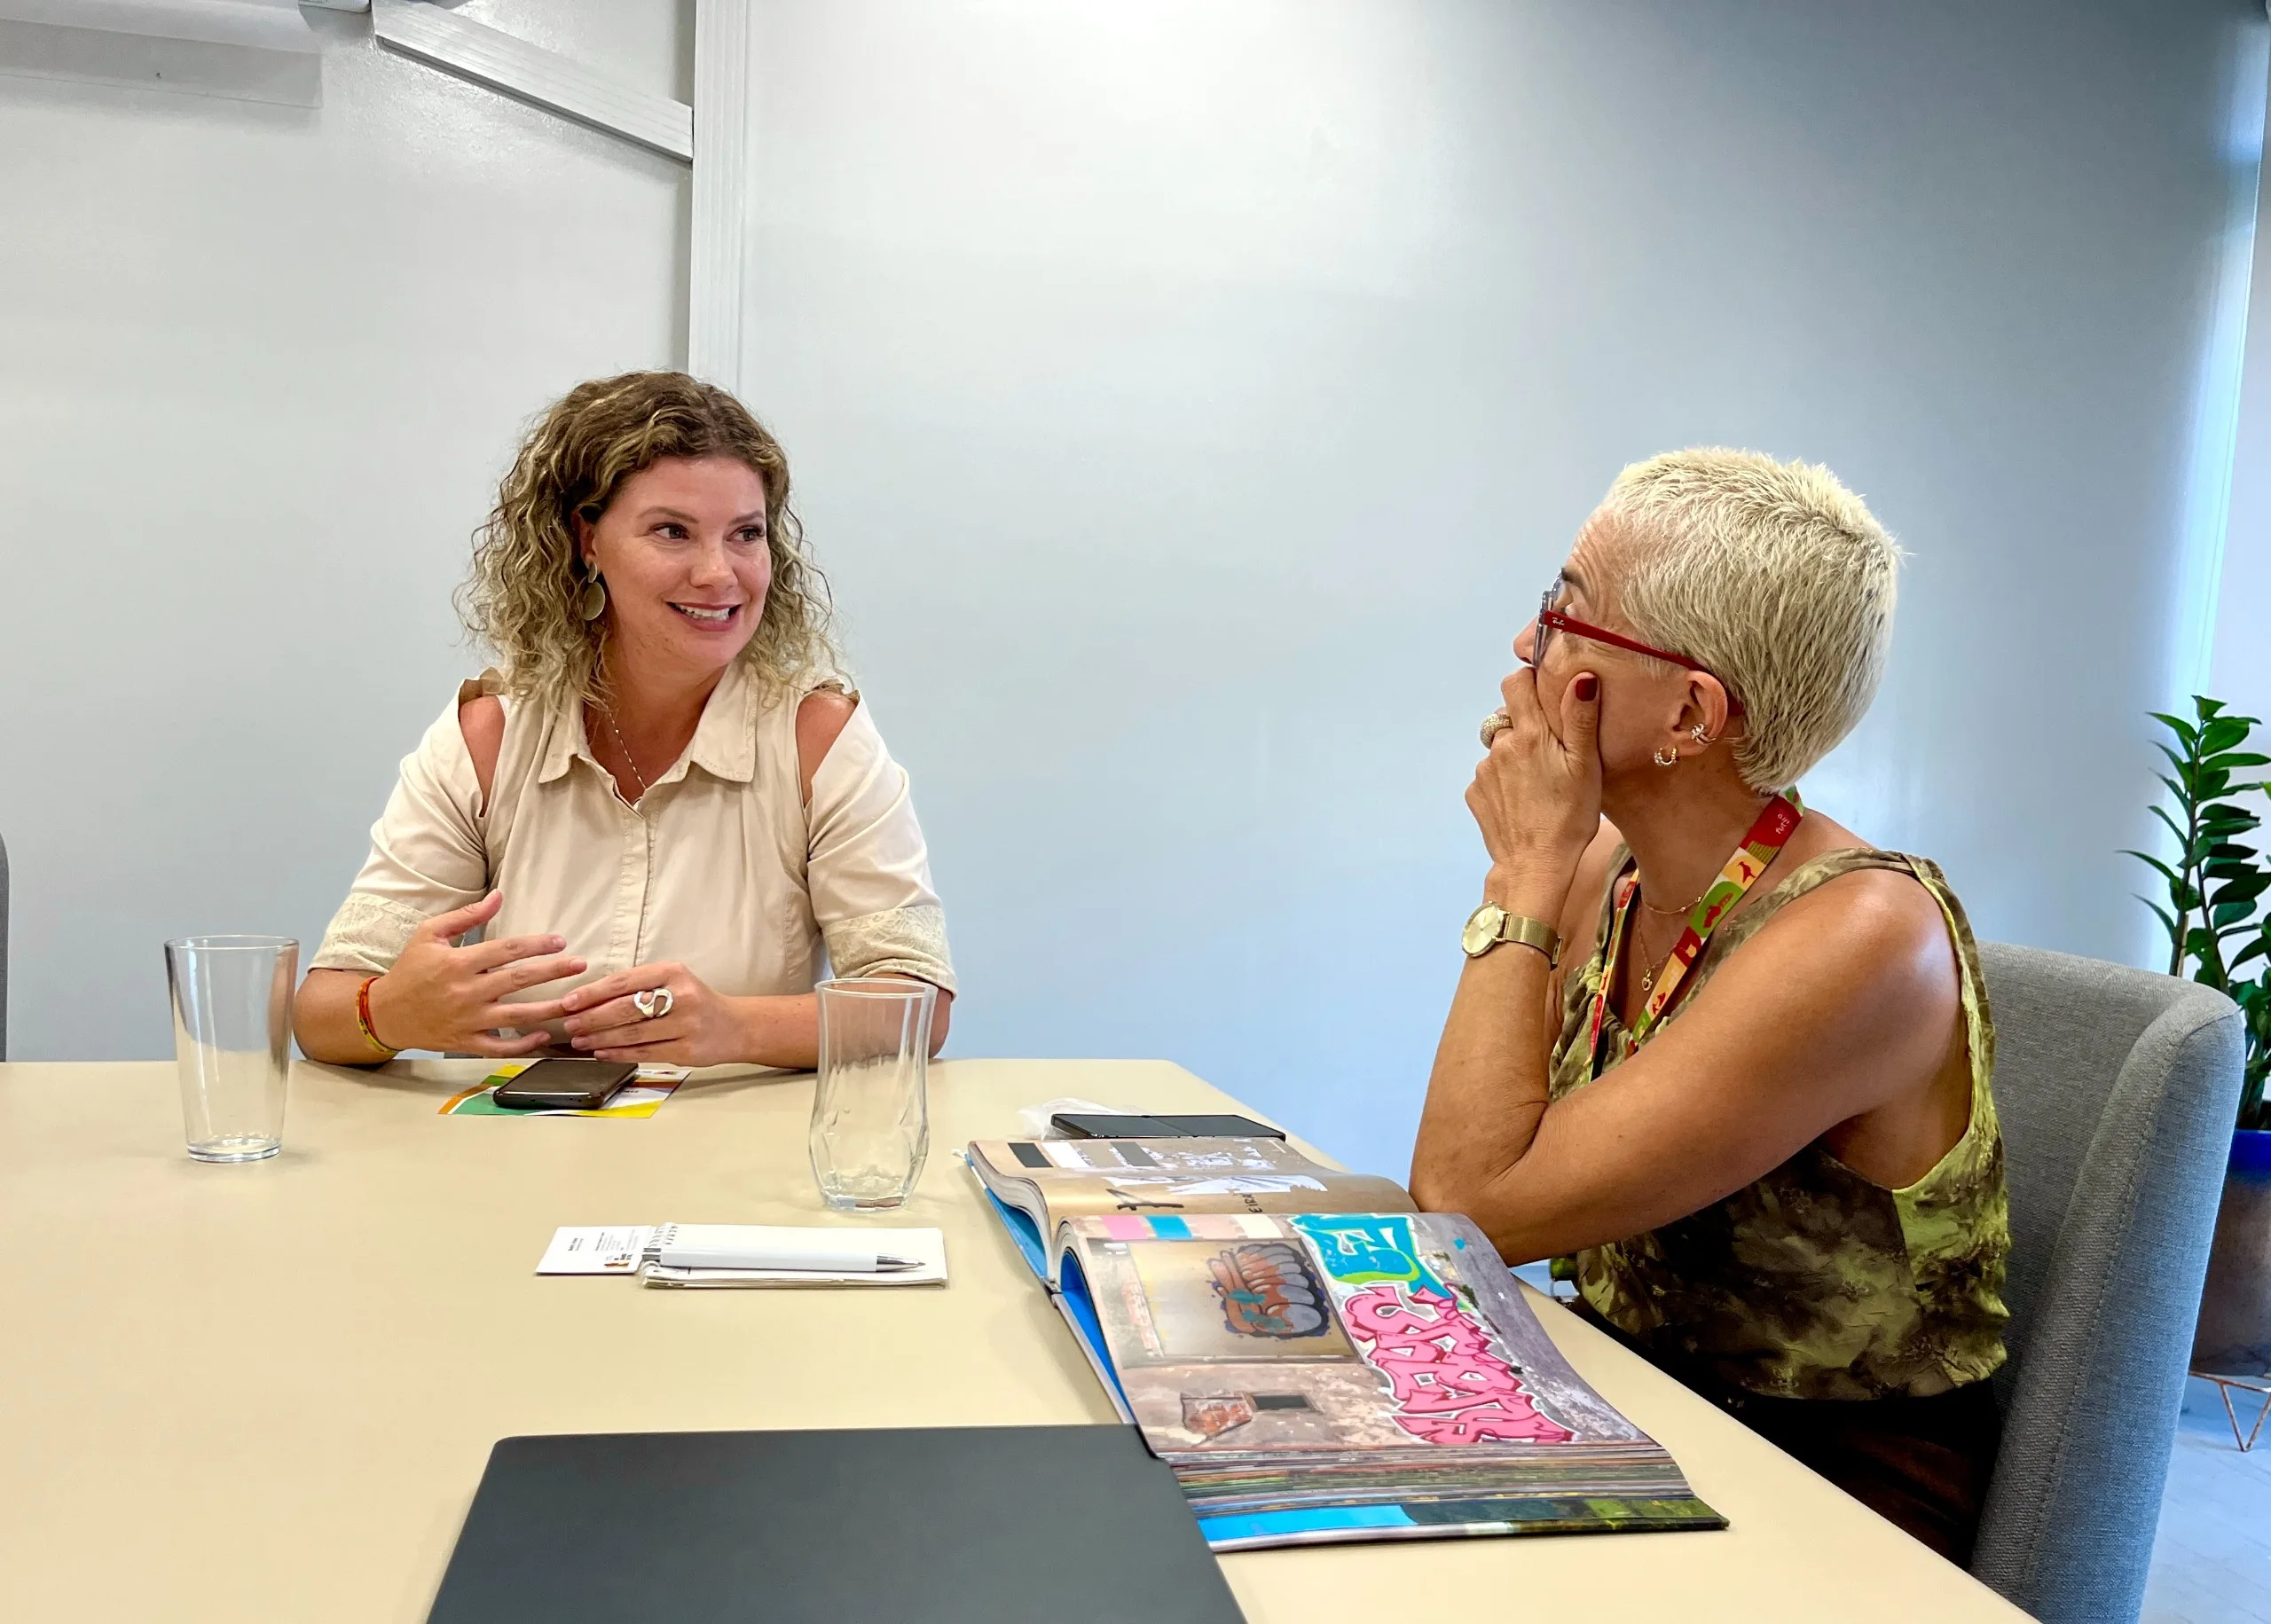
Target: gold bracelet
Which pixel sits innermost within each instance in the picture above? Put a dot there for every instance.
(363, 1017)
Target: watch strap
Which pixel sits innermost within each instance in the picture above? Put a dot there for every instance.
(1532, 933)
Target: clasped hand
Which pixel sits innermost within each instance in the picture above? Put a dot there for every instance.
(700, 1028)
(452, 999)
(1536, 794)
(455, 999)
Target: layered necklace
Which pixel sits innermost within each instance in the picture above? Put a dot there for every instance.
(1653, 962)
(1767, 837)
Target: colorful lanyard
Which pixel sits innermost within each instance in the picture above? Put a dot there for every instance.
(1767, 837)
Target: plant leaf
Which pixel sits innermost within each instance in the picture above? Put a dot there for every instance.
(2223, 733)
(2154, 861)
(2178, 726)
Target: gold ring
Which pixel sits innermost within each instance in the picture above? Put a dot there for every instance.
(1492, 724)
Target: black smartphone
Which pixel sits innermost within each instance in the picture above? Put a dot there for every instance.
(1085, 1124)
(565, 1085)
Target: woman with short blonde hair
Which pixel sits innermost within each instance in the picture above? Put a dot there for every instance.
(664, 805)
(1726, 1062)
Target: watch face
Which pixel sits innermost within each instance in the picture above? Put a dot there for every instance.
(1481, 932)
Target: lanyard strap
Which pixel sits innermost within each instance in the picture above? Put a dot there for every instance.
(1767, 837)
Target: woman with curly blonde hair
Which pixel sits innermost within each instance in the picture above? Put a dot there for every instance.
(663, 805)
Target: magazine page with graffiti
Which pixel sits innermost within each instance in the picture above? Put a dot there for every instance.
(1321, 1377)
(1037, 1186)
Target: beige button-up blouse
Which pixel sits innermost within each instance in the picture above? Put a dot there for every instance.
(722, 866)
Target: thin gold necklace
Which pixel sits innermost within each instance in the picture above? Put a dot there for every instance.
(1648, 975)
(1672, 912)
(607, 714)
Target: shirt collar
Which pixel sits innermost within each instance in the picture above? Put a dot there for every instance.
(725, 740)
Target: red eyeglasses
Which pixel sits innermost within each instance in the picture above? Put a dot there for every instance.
(1551, 620)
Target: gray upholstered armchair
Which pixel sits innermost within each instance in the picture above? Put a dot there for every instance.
(2118, 1090)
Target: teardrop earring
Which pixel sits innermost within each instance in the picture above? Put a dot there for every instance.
(593, 603)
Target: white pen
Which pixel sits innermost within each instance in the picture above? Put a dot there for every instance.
(745, 1246)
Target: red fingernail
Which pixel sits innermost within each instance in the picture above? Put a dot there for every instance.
(1587, 685)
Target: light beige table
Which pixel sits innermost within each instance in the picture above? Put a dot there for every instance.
(267, 1392)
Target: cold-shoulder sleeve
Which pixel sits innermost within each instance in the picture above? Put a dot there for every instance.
(427, 856)
(867, 870)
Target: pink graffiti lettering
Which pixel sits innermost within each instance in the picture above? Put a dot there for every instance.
(1450, 1387)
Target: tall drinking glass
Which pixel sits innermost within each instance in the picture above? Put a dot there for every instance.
(871, 1116)
(233, 1018)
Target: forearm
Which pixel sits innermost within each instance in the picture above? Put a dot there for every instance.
(778, 1030)
(784, 1031)
(1488, 1090)
(323, 1019)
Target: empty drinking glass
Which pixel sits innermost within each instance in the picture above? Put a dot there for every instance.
(233, 1009)
(871, 1118)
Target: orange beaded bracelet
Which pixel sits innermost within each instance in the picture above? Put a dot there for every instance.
(363, 1017)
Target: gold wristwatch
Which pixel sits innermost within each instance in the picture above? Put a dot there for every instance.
(1490, 925)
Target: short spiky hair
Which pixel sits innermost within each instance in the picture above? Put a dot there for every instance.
(1775, 577)
(520, 597)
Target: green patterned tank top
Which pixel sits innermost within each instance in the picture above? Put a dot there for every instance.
(1814, 1282)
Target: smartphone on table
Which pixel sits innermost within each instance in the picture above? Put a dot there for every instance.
(1088, 1124)
(565, 1085)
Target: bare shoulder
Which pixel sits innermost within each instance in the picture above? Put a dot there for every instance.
(821, 716)
(1874, 927)
(482, 721)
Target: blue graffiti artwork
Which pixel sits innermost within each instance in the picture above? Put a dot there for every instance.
(1366, 1248)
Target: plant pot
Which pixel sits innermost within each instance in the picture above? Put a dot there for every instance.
(2234, 1334)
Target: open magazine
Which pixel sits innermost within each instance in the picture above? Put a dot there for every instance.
(1329, 1375)
(1038, 1186)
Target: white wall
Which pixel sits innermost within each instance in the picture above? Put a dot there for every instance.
(2240, 655)
(262, 367)
(1188, 400)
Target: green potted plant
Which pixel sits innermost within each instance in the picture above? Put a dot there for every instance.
(2217, 927)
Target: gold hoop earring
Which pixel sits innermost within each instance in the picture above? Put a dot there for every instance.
(593, 601)
(1666, 758)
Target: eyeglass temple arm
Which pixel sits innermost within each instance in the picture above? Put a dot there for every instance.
(1560, 622)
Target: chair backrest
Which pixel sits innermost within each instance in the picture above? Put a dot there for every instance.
(2118, 1091)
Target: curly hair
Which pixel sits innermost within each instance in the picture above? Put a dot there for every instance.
(522, 598)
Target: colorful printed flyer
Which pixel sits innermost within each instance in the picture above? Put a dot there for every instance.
(641, 1096)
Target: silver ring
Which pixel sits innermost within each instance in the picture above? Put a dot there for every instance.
(653, 1004)
(1492, 725)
